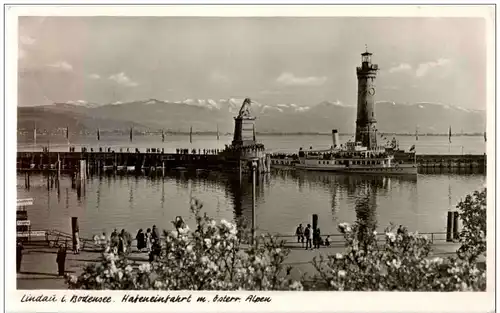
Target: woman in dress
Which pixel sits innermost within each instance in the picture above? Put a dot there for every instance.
(148, 239)
(141, 244)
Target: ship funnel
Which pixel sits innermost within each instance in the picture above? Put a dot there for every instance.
(335, 137)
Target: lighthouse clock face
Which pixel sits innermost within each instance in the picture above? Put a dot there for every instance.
(371, 91)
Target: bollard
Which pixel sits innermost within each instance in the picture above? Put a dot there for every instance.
(449, 227)
(253, 203)
(456, 233)
(314, 222)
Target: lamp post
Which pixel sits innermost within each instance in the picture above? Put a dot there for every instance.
(253, 166)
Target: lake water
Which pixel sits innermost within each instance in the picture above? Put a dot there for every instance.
(283, 199)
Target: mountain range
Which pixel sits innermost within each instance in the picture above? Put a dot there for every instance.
(206, 114)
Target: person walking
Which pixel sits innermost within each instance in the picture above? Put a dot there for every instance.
(103, 241)
(317, 238)
(121, 244)
(149, 239)
(128, 241)
(141, 244)
(19, 256)
(61, 260)
(299, 232)
(308, 236)
(155, 236)
(114, 241)
(76, 244)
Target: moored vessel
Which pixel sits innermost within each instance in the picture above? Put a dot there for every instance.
(354, 158)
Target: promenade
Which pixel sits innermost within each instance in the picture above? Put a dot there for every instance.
(39, 268)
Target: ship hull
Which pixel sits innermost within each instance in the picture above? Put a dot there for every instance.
(399, 170)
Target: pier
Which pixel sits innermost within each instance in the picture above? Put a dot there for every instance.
(69, 162)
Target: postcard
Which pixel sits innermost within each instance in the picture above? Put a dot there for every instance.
(329, 158)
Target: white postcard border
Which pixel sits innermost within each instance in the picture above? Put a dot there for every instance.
(281, 301)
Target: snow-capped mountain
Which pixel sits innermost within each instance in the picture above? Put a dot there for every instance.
(206, 114)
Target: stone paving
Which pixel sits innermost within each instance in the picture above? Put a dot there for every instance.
(39, 267)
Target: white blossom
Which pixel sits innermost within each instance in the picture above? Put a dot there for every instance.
(73, 279)
(145, 267)
(391, 236)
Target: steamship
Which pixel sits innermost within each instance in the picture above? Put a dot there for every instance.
(364, 155)
(352, 157)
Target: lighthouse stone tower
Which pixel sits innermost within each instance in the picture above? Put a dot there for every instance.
(366, 131)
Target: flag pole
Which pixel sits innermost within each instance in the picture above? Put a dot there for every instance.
(67, 136)
(34, 137)
(449, 140)
(217, 136)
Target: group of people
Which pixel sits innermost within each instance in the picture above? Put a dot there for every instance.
(121, 243)
(311, 237)
(199, 151)
(150, 240)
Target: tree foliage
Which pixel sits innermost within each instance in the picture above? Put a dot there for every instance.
(473, 235)
(401, 262)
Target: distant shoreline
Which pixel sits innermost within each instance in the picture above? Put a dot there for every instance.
(158, 133)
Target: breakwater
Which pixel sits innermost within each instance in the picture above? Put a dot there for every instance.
(137, 161)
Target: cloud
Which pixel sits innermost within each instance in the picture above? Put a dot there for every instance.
(61, 66)
(424, 68)
(270, 92)
(403, 67)
(390, 87)
(123, 79)
(94, 76)
(219, 77)
(289, 79)
(27, 40)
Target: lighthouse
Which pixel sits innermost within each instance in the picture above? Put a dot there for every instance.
(366, 131)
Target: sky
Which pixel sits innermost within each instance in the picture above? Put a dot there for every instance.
(272, 60)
